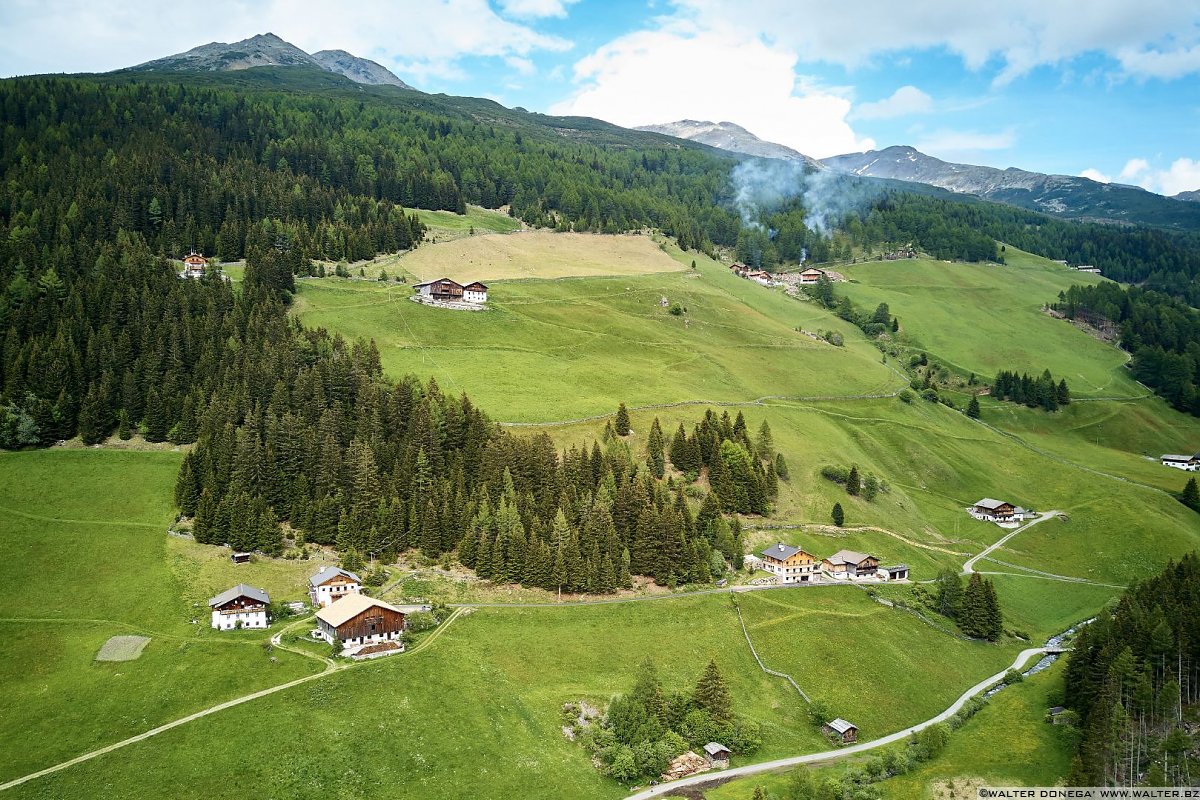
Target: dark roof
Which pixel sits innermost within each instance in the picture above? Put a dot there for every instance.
(897, 567)
(988, 502)
(330, 572)
(781, 551)
(439, 280)
(241, 590)
(473, 284)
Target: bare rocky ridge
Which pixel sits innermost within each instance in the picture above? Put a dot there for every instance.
(359, 70)
(1192, 197)
(728, 136)
(268, 50)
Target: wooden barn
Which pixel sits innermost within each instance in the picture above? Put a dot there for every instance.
(441, 289)
(990, 510)
(845, 731)
(851, 564)
(358, 620)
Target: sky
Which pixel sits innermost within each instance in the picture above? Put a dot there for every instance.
(1107, 89)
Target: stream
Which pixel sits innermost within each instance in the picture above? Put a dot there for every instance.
(1045, 661)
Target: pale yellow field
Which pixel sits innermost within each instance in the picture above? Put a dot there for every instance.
(537, 254)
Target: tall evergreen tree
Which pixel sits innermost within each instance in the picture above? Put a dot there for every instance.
(621, 424)
(838, 515)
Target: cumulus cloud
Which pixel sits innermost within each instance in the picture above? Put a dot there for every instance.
(1154, 38)
(1096, 175)
(904, 101)
(677, 73)
(424, 38)
(1183, 175)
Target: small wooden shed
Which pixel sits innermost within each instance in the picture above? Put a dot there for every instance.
(716, 754)
(845, 731)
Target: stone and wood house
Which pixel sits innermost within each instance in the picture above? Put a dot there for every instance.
(240, 607)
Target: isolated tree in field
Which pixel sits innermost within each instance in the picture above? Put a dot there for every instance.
(853, 482)
(621, 425)
(973, 407)
(781, 467)
(712, 695)
(839, 516)
(1190, 496)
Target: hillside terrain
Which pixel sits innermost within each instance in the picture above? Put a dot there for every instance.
(730, 136)
(521, 460)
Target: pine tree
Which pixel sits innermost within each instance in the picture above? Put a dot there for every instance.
(973, 407)
(1064, 393)
(124, 429)
(765, 442)
(1190, 496)
(621, 425)
(781, 467)
(654, 446)
(839, 516)
(712, 695)
(853, 482)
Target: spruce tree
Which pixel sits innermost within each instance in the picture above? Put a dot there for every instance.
(781, 467)
(839, 516)
(621, 424)
(973, 407)
(1064, 393)
(765, 442)
(1190, 496)
(654, 446)
(853, 482)
(712, 695)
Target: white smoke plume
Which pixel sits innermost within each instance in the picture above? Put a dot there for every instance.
(762, 186)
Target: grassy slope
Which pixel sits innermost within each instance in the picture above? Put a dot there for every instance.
(1005, 327)
(477, 714)
(85, 538)
(1005, 744)
(575, 347)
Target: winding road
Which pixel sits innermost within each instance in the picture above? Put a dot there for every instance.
(969, 567)
(842, 752)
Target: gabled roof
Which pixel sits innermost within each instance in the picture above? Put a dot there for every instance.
(474, 284)
(811, 270)
(847, 557)
(351, 606)
(332, 572)
(1176, 457)
(781, 551)
(841, 726)
(988, 502)
(241, 590)
(712, 748)
(439, 280)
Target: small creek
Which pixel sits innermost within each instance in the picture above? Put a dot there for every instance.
(1045, 661)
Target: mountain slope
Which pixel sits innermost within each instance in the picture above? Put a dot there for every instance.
(1061, 195)
(1192, 197)
(731, 137)
(359, 70)
(268, 50)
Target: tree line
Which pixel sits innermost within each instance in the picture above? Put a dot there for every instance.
(1133, 677)
(1161, 332)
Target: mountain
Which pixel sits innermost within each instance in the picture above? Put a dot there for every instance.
(1061, 195)
(731, 137)
(359, 70)
(268, 50)
(1192, 197)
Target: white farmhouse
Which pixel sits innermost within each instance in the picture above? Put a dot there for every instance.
(240, 607)
(332, 584)
(475, 292)
(1186, 463)
(790, 564)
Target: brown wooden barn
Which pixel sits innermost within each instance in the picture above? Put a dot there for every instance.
(357, 620)
(845, 731)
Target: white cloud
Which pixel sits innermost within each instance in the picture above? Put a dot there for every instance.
(904, 101)
(536, 8)
(1182, 175)
(1152, 38)
(522, 65)
(423, 38)
(675, 73)
(955, 145)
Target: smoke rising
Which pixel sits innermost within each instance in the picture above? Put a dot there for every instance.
(762, 186)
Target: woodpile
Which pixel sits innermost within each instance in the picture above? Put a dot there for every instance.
(687, 764)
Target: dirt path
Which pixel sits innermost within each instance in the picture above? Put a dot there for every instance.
(330, 668)
(833, 755)
(969, 566)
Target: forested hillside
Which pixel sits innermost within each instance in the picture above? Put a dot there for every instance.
(1134, 678)
(1162, 334)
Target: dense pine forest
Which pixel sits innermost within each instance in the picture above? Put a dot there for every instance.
(1161, 332)
(1134, 679)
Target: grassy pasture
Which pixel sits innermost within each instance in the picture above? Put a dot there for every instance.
(567, 348)
(477, 714)
(446, 224)
(85, 536)
(983, 318)
(536, 254)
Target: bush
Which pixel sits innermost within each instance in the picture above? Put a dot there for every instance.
(930, 394)
(834, 473)
(906, 396)
(1012, 676)
(676, 310)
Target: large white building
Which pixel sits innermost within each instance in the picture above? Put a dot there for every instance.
(332, 584)
(790, 564)
(1186, 463)
(240, 607)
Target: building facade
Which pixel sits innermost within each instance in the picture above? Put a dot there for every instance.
(240, 607)
(358, 620)
(332, 584)
(851, 564)
(1185, 463)
(475, 292)
(790, 564)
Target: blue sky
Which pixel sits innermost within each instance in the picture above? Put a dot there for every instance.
(1110, 89)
